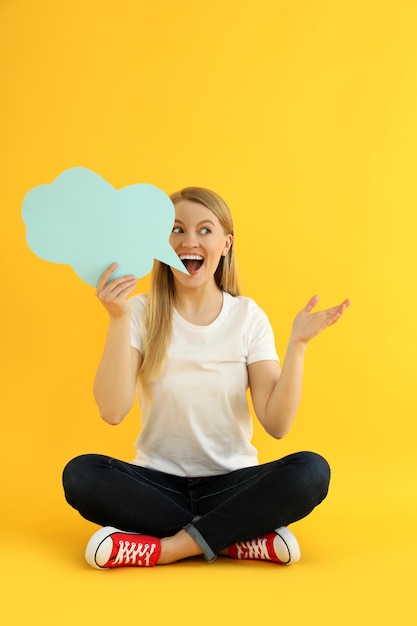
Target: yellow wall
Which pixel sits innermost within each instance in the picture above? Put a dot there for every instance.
(302, 114)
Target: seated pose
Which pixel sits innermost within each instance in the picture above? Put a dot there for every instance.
(191, 348)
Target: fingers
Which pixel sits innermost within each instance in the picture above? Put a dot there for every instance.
(102, 281)
(117, 289)
(311, 304)
(343, 306)
(328, 316)
(336, 312)
(339, 308)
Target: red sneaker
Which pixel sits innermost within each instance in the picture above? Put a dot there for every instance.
(280, 546)
(110, 547)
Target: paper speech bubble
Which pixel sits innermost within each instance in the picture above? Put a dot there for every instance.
(82, 221)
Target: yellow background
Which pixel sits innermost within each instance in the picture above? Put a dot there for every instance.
(302, 114)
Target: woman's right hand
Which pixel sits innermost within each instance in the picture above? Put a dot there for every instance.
(112, 294)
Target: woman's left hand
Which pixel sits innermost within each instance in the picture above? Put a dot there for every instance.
(308, 324)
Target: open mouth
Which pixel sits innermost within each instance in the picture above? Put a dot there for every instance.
(192, 262)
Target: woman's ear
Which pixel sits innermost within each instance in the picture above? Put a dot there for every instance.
(228, 245)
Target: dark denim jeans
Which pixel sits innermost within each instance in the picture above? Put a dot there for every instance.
(216, 511)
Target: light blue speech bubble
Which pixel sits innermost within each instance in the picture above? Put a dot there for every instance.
(82, 221)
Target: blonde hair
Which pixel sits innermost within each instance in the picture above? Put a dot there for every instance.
(161, 296)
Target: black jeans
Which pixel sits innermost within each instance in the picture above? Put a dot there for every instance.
(216, 511)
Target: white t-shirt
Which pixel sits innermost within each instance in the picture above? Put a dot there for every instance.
(198, 422)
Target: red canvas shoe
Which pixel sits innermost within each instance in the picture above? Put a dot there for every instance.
(110, 547)
(280, 546)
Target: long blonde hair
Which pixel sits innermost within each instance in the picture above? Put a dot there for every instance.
(161, 296)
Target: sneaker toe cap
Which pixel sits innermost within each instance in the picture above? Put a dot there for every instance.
(286, 546)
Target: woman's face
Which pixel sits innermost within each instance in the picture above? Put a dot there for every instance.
(199, 240)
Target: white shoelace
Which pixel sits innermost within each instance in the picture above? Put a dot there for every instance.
(131, 553)
(253, 549)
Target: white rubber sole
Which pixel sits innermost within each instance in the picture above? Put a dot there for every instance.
(99, 547)
(286, 546)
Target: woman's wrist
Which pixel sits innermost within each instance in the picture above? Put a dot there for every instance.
(297, 344)
(119, 314)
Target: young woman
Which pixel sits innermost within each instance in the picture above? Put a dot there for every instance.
(191, 348)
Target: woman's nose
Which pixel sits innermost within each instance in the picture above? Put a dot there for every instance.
(190, 241)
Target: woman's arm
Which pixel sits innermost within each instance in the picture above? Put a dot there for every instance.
(115, 381)
(276, 393)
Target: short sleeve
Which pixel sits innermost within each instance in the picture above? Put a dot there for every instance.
(261, 340)
(137, 306)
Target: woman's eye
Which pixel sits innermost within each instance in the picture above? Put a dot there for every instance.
(178, 230)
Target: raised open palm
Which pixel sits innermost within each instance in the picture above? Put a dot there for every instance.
(308, 324)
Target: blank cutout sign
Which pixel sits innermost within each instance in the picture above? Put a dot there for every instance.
(82, 221)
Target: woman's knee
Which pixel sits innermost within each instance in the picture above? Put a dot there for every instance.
(311, 471)
(78, 477)
(318, 472)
